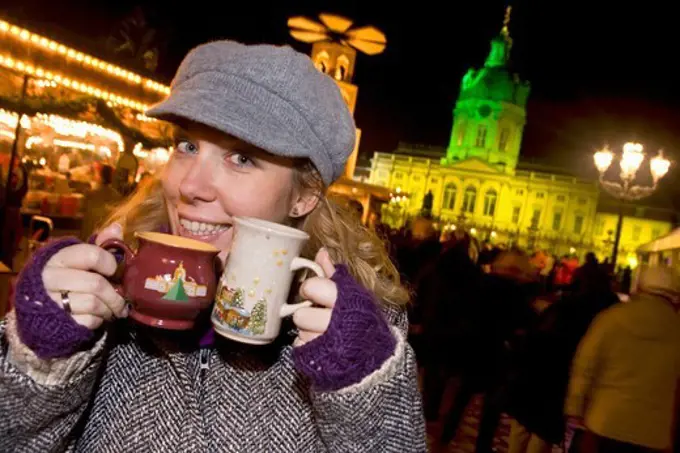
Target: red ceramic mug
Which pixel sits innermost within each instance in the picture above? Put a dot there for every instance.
(169, 280)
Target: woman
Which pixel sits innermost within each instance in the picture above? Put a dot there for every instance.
(626, 369)
(539, 385)
(261, 133)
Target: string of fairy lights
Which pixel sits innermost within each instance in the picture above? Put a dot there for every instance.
(41, 42)
(27, 68)
(80, 57)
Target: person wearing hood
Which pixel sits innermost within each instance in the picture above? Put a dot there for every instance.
(626, 370)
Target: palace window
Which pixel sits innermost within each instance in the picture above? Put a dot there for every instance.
(515, 214)
(490, 202)
(519, 192)
(536, 217)
(460, 136)
(557, 220)
(503, 140)
(449, 196)
(637, 229)
(540, 195)
(599, 227)
(480, 142)
(469, 199)
(561, 198)
(578, 224)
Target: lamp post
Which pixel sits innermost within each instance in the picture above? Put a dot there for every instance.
(626, 190)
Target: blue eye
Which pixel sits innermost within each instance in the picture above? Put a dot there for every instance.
(240, 160)
(186, 147)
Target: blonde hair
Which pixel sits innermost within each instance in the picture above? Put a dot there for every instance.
(329, 224)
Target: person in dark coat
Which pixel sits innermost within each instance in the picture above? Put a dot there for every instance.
(449, 327)
(538, 390)
(12, 225)
(500, 312)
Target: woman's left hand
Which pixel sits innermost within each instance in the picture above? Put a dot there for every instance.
(312, 322)
(345, 337)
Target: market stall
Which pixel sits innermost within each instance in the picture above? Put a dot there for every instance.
(63, 158)
(65, 114)
(663, 251)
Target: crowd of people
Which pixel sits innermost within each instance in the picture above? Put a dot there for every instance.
(508, 325)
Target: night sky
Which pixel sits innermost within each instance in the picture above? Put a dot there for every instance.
(601, 71)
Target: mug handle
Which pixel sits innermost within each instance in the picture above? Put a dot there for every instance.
(128, 254)
(297, 264)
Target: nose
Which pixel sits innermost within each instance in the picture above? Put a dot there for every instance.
(197, 184)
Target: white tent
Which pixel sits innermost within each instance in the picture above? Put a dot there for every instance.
(668, 242)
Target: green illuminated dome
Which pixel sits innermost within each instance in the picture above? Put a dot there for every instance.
(490, 112)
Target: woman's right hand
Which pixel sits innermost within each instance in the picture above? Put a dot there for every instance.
(82, 270)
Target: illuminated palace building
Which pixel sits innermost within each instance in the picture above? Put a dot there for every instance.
(478, 182)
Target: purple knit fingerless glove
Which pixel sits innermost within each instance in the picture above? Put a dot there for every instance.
(42, 324)
(358, 340)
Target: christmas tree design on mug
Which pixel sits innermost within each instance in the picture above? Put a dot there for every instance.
(177, 287)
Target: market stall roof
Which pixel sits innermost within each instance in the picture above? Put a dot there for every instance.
(67, 82)
(34, 55)
(668, 242)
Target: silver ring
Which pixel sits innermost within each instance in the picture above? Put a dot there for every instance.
(66, 302)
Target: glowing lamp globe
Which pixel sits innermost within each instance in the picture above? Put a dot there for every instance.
(603, 159)
(659, 166)
(631, 160)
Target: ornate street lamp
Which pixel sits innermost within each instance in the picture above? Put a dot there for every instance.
(626, 190)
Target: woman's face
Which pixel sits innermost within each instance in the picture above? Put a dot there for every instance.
(212, 177)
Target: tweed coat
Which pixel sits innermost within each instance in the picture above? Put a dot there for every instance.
(136, 392)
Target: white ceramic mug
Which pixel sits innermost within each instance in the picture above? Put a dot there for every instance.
(252, 292)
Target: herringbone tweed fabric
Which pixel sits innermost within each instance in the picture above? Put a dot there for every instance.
(139, 395)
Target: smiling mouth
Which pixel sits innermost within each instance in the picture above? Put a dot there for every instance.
(201, 230)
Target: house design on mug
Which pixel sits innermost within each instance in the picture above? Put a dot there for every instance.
(176, 287)
(230, 311)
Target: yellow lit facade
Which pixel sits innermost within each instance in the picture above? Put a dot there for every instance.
(635, 232)
(478, 183)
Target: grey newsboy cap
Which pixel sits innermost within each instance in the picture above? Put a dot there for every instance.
(269, 96)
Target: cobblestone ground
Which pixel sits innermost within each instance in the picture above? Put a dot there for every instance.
(464, 442)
